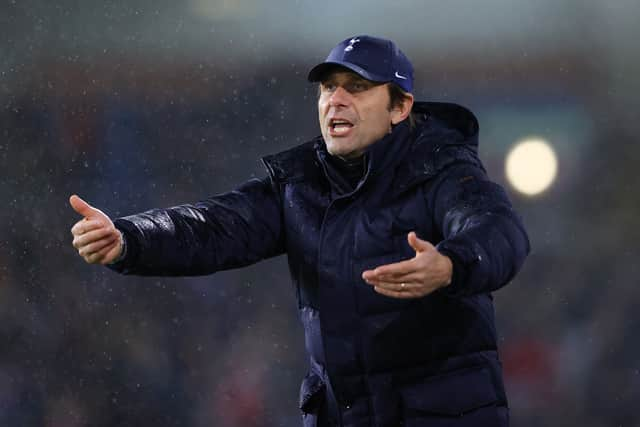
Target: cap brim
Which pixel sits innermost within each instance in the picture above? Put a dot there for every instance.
(318, 72)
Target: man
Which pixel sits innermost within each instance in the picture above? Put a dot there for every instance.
(398, 331)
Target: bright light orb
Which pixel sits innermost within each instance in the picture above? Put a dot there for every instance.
(531, 166)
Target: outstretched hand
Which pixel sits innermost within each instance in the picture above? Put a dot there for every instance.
(95, 237)
(419, 276)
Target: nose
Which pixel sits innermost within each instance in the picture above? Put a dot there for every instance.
(339, 97)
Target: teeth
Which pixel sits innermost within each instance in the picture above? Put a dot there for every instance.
(341, 128)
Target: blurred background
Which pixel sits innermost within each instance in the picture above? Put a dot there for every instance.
(142, 104)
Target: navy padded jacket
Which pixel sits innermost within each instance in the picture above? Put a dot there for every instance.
(374, 360)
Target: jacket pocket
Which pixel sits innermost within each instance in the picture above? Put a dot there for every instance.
(312, 392)
(450, 395)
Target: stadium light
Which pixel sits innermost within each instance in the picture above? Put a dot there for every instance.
(531, 166)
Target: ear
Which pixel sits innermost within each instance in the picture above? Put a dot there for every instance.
(402, 111)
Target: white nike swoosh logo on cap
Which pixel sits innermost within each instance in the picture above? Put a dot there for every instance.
(400, 77)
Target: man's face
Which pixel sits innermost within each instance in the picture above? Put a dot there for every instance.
(354, 113)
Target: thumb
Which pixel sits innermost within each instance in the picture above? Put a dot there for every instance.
(417, 244)
(83, 208)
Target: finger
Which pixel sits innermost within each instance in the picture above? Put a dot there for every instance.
(418, 244)
(106, 251)
(395, 269)
(83, 208)
(396, 282)
(92, 236)
(111, 254)
(85, 225)
(397, 287)
(96, 246)
(94, 258)
(395, 294)
(99, 256)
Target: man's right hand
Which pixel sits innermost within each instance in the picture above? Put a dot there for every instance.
(95, 237)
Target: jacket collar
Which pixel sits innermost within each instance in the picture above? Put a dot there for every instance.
(380, 156)
(444, 133)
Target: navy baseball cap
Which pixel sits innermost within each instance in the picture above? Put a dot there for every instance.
(373, 58)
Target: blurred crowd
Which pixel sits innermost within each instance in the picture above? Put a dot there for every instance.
(82, 346)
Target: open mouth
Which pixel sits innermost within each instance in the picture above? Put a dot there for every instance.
(339, 126)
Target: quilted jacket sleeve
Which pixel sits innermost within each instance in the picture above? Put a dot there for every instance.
(482, 234)
(225, 231)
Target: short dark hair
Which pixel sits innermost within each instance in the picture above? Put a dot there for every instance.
(396, 97)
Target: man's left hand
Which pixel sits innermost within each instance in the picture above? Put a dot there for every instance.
(428, 271)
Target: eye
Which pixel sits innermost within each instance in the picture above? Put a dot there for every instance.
(358, 86)
(328, 87)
